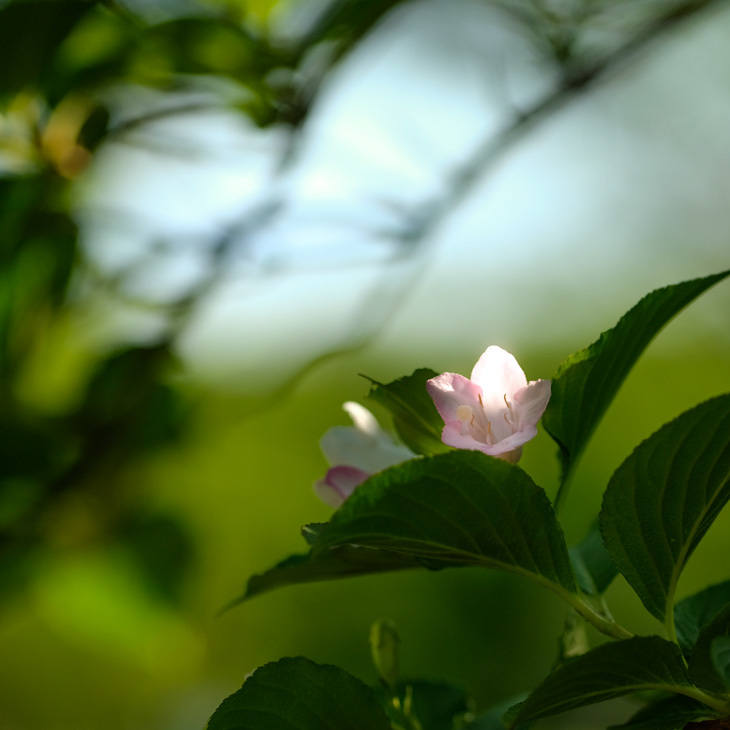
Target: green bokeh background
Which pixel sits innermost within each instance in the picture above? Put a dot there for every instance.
(89, 645)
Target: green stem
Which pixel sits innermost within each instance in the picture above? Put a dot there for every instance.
(607, 625)
(669, 628)
(562, 494)
(722, 706)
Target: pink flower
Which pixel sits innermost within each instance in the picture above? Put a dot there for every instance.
(356, 452)
(496, 411)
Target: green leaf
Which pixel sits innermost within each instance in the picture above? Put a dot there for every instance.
(608, 671)
(436, 705)
(458, 508)
(594, 568)
(701, 665)
(297, 694)
(661, 501)
(587, 382)
(414, 415)
(694, 612)
(720, 654)
(30, 35)
(666, 714)
(345, 561)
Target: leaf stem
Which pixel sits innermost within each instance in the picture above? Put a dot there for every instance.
(607, 625)
(563, 490)
(695, 693)
(669, 627)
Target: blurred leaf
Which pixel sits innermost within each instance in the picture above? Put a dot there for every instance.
(720, 654)
(662, 500)
(608, 671)
(30, 35)
(384, 650)
(666, 714)
(593, 565)
(27, 450)
(126, 404)
(587, 382)
(37, 255)
(297, 694)
(342, 562)
(414, 414)
(163, 549)
(694, 612)
(95, 127)
(701, 665)
(459, 508)
(209, 46)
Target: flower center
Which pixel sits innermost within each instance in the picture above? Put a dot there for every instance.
(479, 424)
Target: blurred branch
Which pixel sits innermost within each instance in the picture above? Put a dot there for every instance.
(574, 82)
(422, 225)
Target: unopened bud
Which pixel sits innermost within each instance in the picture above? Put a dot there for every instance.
(384, 641)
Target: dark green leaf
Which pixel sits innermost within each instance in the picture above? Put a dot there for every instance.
(592, 563)
(666, 714)
(341, 562)
(488, 721)
(310, 532)
(720, 654)
(414, 415)
(437, 706)
(608, 671)
(701, 664)
(587, 382)
(459, 508)
(30, 34)
(297, 694)
(694, 612)
(661, 501)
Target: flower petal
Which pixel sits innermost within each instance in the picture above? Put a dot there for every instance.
(452, 436)
(365, 445)
(498, 373)
(348, 445)
(530, 402)
(451, 390)
(338, 484)
(362, 419)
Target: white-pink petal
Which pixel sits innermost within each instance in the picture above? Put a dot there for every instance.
(497, 372)
(338, 484)
(496, 411)
(530, 402)
(450, 391)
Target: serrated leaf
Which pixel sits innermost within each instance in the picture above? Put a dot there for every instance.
(661, 501)
(458, 508)
(492, 719)
(345, 561)
(414, 415)
(297, 694)
(720, 655)
(587, 382)
(701, 665)
(666, 714)
(606, 672)
(311, 531)
(691, 614)
(593, 565)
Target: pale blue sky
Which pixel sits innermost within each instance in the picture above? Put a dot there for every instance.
(623, 191)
